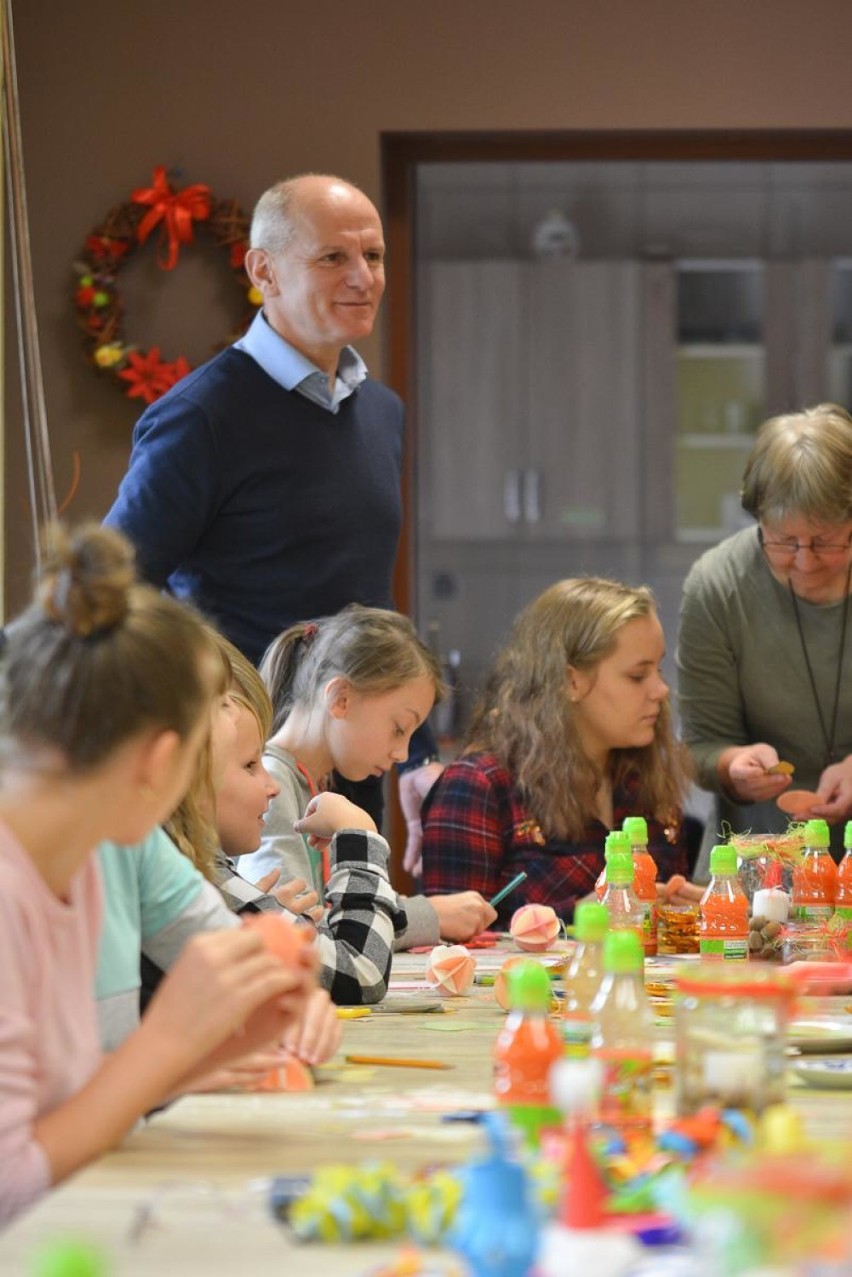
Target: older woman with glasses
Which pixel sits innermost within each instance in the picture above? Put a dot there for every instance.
(765, 652)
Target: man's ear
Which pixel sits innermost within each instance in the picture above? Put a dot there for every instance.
(261, 271)
(338, 696)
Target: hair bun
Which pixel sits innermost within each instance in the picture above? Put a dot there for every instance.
(87, 578)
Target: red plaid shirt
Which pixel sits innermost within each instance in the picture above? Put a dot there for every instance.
(478, 833)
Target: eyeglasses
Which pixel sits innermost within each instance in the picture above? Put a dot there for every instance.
(789, 547)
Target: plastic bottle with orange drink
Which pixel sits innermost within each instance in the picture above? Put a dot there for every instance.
(843, 898)
(644, 879)
(723, 920)
(526, 1049)
(814, 876)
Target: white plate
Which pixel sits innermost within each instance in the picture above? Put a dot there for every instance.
(815, 1037)
(833, 1074)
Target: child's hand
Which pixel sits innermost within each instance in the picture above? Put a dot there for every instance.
(318, 1034)
(679, 891)
(227, 996)
(326, 814)
(295, 896)
(243, 1074)
(292, 895)
(463, 915)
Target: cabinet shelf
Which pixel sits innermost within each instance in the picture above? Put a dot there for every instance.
(720, 350)
(694, 440)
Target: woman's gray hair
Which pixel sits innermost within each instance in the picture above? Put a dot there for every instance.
(801, 464)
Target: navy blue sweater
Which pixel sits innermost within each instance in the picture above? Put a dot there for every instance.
(260, 506)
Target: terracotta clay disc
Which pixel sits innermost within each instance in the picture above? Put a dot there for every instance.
(796, 801)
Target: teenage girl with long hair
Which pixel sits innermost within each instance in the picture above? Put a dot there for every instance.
(573, 733)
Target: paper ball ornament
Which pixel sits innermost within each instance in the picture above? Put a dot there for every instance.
(292, 1075)
(501, 992)
(281, 938)
(451, 969)
(534, 927)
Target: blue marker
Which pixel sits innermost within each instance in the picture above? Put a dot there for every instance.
(504, 891)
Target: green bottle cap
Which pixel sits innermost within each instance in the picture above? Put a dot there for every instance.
(847, 834)
(70, 1258)
(723, 860)
(816, 833)
(619, 867)
(528, 987)
(636, 828)
(591, 921)
(617, 840)
(622, 951)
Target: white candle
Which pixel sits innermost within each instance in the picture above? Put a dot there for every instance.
(771, 903)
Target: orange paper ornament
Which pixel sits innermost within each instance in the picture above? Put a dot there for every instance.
(451, 969)
(534, 927)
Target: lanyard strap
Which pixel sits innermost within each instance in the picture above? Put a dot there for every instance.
(827, 736)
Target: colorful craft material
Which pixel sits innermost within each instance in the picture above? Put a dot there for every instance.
(280, 937)
(374, 1201)
(534, 928)
(293, 1075)
(451, 969)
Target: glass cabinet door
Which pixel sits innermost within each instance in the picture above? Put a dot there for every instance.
(721, 391)
(840, 349)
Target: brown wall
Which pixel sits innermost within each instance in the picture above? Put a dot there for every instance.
(237, 95)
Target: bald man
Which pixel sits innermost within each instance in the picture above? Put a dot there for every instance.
(265, 486)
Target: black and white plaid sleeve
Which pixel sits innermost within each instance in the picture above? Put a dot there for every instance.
(364, 914)
(355, 939)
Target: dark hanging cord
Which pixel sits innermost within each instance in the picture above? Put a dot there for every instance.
(828, 737)
(39, 466)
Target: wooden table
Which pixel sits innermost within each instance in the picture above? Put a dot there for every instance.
(187, 1192)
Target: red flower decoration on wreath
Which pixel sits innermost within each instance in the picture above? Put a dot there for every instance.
(125, 230)
(149, 378)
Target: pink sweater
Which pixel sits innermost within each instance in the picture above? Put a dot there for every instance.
(48, 1029)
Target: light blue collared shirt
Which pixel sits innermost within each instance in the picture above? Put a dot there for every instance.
(292, 370)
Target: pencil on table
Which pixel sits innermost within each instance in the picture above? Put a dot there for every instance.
(398, 1062)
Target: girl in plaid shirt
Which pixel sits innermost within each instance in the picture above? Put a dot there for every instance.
(572, 733)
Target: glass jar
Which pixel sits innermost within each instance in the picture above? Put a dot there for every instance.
(805, 942)
(730, 1035)
(677, 928)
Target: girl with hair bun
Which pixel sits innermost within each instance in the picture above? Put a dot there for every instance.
(105, 692)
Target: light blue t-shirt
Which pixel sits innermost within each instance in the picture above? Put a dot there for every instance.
(154, 900)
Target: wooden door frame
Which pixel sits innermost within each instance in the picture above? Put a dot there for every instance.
(401, 153)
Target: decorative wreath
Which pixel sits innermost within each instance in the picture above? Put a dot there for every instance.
(142, 374)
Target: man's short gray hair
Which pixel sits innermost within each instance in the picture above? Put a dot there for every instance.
(273, 222)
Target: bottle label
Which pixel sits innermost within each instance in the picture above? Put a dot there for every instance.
(626, 1088)
(649, 927)
(812, 913)
(844, 912)
(576, 1037)
(724, 948)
